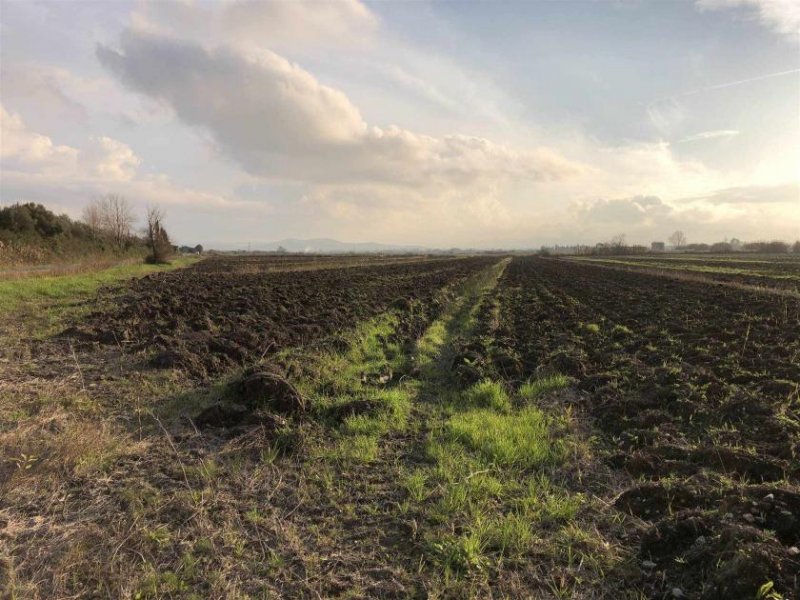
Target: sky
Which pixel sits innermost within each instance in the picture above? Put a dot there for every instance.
(470, 124)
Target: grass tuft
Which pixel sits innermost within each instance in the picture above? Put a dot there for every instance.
(537, 387)
(523, 439)
(487, 394)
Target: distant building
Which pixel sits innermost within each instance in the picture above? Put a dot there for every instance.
(657, 247)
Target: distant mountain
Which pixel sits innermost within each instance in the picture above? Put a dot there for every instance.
(323, 245)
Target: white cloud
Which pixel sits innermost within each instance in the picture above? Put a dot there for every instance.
(781, 15)
(109, 159)
(321, 23)
(276, 120)
(36, 169)
(787, 193)
(280, 25)
(255, 103)
(746, 212)
(709, 135)
(637, 210)
(24, 149)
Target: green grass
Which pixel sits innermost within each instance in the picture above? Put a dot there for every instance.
(621, 331)
(547, 503)
(509, 534)
(538, 387)
(592, 327)
(391, 414)
(15, 293)
(338, 380)
(523, 439)
(415, 484)
(486, 394)
(357, 448)
(458, 554)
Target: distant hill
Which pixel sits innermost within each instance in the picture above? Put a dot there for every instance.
(324, 245)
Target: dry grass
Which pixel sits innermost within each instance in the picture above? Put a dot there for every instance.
(45, 449)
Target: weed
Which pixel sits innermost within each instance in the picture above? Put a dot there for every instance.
(523, 439)
(460, 554)
(538, 387)
(358, 448)
(509, 534)
(487, 394)
(416, 485)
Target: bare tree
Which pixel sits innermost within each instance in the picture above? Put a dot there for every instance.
(618, 241)
(157, 238)
(678, 239)
(93, 216)
(120, 218)
(111, 214)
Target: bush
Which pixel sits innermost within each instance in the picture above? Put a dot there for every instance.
(30, 233)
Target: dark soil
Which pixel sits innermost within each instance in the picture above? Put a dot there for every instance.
(225, 313)
(693, 389)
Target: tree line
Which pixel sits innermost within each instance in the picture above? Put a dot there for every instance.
(107, 226)
(678, 242)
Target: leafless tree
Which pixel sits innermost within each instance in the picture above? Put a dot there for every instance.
(93, 216)
(157, 238)
(618, 241)
(111, 214)
(678, 239)
(120, 218)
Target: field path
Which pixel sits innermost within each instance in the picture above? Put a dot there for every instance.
(366, 535)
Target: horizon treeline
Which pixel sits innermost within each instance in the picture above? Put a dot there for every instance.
(30, 233)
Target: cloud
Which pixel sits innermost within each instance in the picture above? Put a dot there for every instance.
(109, 159)
(323, 23)
(747, 212)
(637, 210)
(42, 86)
(787, 193)
(25, 149)
(709, 135)
(277, 121)
(281, 25)
(782, 16)
(35, 169)
(255, 104)
(355, 49)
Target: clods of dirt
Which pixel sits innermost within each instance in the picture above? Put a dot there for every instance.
(769, 508)
(266, 390)
(718, 559)
(338, 413)
(231, 416)
(257, 397)
(654, 500)
(468, 364)
(219, 315)
(222, 415)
